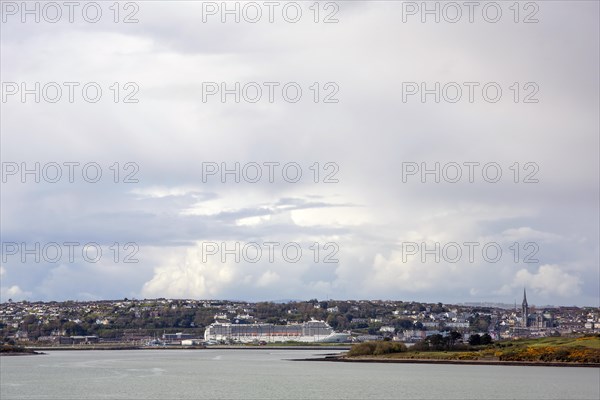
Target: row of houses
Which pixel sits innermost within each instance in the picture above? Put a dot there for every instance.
(66, 340)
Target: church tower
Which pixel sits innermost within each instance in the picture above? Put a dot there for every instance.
(525, 310)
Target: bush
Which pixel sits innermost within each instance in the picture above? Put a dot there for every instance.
(550, 353)
(421, 345)
(376, 348)
(486, 339)
(362, 349)
(389, 348)
(475, 340)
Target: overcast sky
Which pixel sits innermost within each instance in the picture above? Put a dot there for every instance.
(370, 217)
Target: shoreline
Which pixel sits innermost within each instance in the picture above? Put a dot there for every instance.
(21, 353)
(178, 348)
(18, 354)
(452, 362)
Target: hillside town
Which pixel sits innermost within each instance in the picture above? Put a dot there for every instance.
(181, 322)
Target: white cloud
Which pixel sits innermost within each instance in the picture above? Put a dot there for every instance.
(528, 233)
(331, 216)
(268, 279)
(160, 191)
(14, 292)
(252, 221)
(188, 277)
(549, 281)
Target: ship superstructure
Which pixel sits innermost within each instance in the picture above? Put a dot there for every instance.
(308, 332)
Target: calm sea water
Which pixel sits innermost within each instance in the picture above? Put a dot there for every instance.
(268, 374)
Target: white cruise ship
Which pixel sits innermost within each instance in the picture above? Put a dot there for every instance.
(307, 332)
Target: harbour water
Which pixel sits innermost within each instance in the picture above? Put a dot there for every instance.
(269, 374)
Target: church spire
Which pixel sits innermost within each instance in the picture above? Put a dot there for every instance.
(525, 311)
